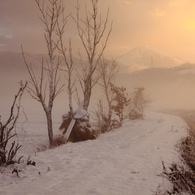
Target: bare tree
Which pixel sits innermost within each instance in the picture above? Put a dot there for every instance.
(108, 70)
(68, 59)
(94, 35)
(7, 151)
(45, 87)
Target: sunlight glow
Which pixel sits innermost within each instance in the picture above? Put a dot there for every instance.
(190, 25)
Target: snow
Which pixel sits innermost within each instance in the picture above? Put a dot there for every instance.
(80, 112)
(125, 161)
(144, 57)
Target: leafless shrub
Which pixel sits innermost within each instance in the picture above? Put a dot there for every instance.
(9, 150)
(101, 118)
(58, 141)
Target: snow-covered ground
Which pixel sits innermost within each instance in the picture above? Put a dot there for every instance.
(126, 161)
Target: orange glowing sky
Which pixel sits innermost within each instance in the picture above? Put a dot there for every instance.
(166, 25)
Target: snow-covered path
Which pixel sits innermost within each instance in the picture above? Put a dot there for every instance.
(126, 161)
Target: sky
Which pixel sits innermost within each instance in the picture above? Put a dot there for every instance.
(164, 25)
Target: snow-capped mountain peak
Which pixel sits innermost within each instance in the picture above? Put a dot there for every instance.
(144, 57)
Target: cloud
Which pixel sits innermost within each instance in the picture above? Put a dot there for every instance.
(2, 45)
(158, 13)
(178, 3)
(5, 33)
(127, 2)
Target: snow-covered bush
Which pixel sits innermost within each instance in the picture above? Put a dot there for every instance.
(138, 103)
(81, 131)
(120, 100)
(111, 116)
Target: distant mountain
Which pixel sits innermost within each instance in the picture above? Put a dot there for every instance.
(143, 57)
(13, 62)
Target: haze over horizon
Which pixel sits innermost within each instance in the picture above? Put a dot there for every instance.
(165, 25)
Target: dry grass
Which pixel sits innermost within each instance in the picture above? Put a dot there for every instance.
(187, 150)
(183, 176)
(58, 140)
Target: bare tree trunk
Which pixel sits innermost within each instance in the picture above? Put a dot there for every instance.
(87, 93)
(50, 127)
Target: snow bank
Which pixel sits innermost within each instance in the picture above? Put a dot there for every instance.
(125, 161)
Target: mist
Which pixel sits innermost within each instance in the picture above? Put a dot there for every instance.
(166, 88)
(135, 23)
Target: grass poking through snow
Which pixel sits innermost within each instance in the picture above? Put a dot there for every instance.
(183, 176)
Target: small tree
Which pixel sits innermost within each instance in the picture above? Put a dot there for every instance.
(119, 102)
(107, 70)
(92, 33)
(114, 118)
(44, 88)
(139, 101)
(9, 150)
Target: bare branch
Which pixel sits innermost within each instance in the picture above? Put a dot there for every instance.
(45, 87)
(7, 154)
(92, 32)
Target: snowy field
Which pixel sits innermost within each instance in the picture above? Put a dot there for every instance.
(126, 161)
